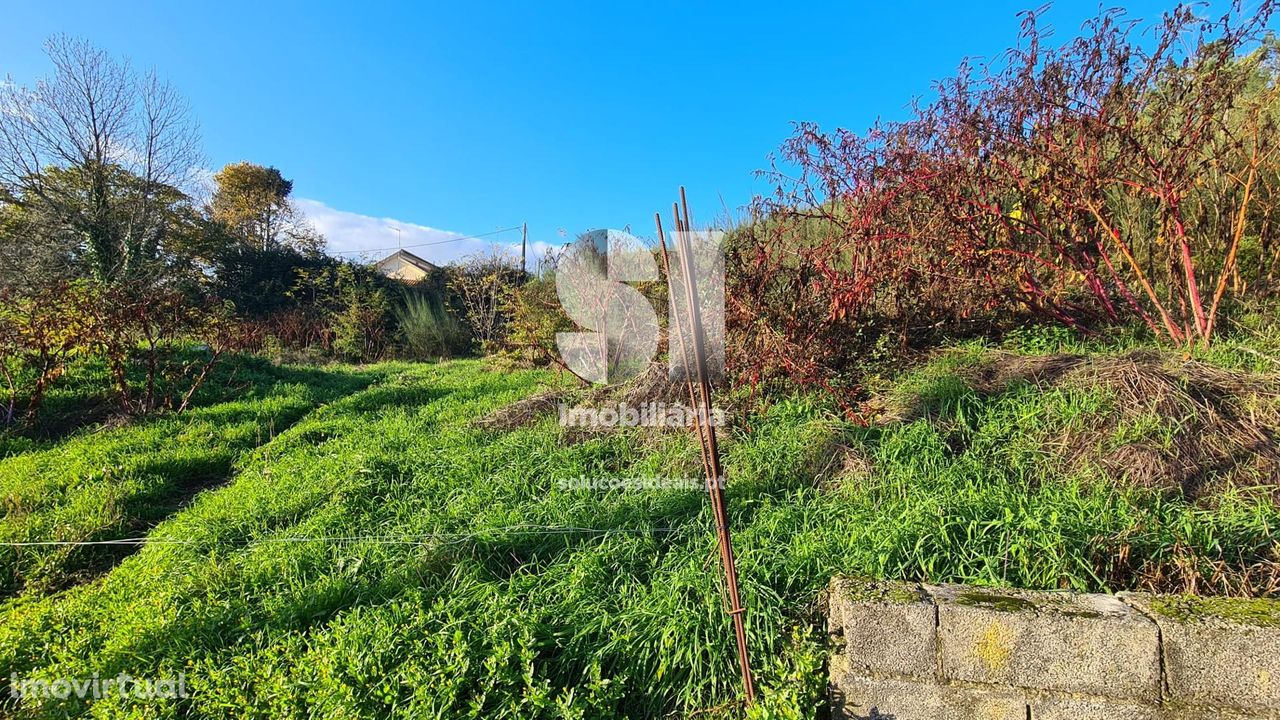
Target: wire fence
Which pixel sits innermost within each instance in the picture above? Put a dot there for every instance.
(407, 539)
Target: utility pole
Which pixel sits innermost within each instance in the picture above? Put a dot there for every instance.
(524, 243)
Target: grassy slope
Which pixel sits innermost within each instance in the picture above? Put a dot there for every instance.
(118, 483)
(478, 619)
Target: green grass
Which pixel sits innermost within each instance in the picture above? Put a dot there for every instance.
(118, 483)
(484, 616)
(1252, 345)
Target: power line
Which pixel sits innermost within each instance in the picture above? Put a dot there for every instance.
(437, 242)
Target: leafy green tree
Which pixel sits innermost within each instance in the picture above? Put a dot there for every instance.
(35, 249)
(40, 246)
(252, 203)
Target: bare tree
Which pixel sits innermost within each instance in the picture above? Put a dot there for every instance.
(483, 281)
(100, 149)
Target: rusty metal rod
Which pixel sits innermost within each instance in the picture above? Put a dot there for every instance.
(684, 352)
(714, 479)
(710, 446)
(702, 423)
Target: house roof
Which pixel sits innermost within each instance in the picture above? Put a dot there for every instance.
(407, 257)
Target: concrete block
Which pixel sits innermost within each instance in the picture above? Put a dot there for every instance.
(854, 697)
(1218, 652)
(886, 627)
(1078, 708)
(1203, 713)
(1090, 644)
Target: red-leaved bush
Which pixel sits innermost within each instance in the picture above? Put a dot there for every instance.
(158, 346)
(1127, 175)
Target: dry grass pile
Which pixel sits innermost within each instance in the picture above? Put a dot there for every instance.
(1170, 423)
(522, 413)
(649, 388)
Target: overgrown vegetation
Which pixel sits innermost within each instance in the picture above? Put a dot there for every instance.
(430, 331)
(106, 254)
(384, 556)
(118, 483)
(140, 337)
(1128, 176)
(1026, 337)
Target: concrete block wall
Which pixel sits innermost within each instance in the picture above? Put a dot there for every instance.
(947, 652)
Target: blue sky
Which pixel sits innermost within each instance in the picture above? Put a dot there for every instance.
(467, 117)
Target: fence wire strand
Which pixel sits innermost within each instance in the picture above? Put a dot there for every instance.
(414, 539)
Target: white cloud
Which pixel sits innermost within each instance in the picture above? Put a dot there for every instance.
(363, 237)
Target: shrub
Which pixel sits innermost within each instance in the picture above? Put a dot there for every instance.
(359, 325)
(158, 347)
(1105, 181)
(428, 330)
(301, 328)
(482, 283)
(534, 316)
(534, 313)
(41, 332)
